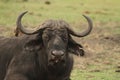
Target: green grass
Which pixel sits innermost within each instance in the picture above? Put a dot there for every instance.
(70, 10)
(103, 75)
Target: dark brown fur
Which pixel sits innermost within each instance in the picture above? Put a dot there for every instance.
(27, 57)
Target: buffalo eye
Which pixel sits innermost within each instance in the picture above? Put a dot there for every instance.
(64, 35)
(46, 37)
(65, 38)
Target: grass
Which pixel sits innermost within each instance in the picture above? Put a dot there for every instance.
(85, 75)
(105, 15)
(58, 9)
(101, 66)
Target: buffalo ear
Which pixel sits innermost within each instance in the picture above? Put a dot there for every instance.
(34, 44)
(74, 47)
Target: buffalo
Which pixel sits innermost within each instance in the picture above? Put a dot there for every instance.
(41, 54)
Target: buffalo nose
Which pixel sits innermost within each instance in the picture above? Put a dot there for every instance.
(57, 53)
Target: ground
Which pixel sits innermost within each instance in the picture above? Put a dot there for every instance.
(102, 58)
(102, 46)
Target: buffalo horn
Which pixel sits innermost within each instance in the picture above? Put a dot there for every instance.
(86, 32)
(26, 31)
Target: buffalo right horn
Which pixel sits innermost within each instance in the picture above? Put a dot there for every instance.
(26, 31)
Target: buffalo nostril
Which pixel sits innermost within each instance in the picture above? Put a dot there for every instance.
(57, 53)
(53, 53)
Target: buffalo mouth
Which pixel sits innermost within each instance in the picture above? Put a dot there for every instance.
(56, 61)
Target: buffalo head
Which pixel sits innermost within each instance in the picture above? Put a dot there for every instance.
(55, 37)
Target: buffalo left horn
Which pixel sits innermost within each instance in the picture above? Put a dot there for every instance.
(86, 32)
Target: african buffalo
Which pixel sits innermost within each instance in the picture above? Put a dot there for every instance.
(42, 54)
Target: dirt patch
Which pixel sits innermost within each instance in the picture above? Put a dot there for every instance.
(47, 2)
(6, 31)
(2, 29)
(102, 49)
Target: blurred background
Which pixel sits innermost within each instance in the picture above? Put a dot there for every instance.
(102, 46)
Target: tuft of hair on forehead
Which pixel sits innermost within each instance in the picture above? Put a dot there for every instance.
(56, 23)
